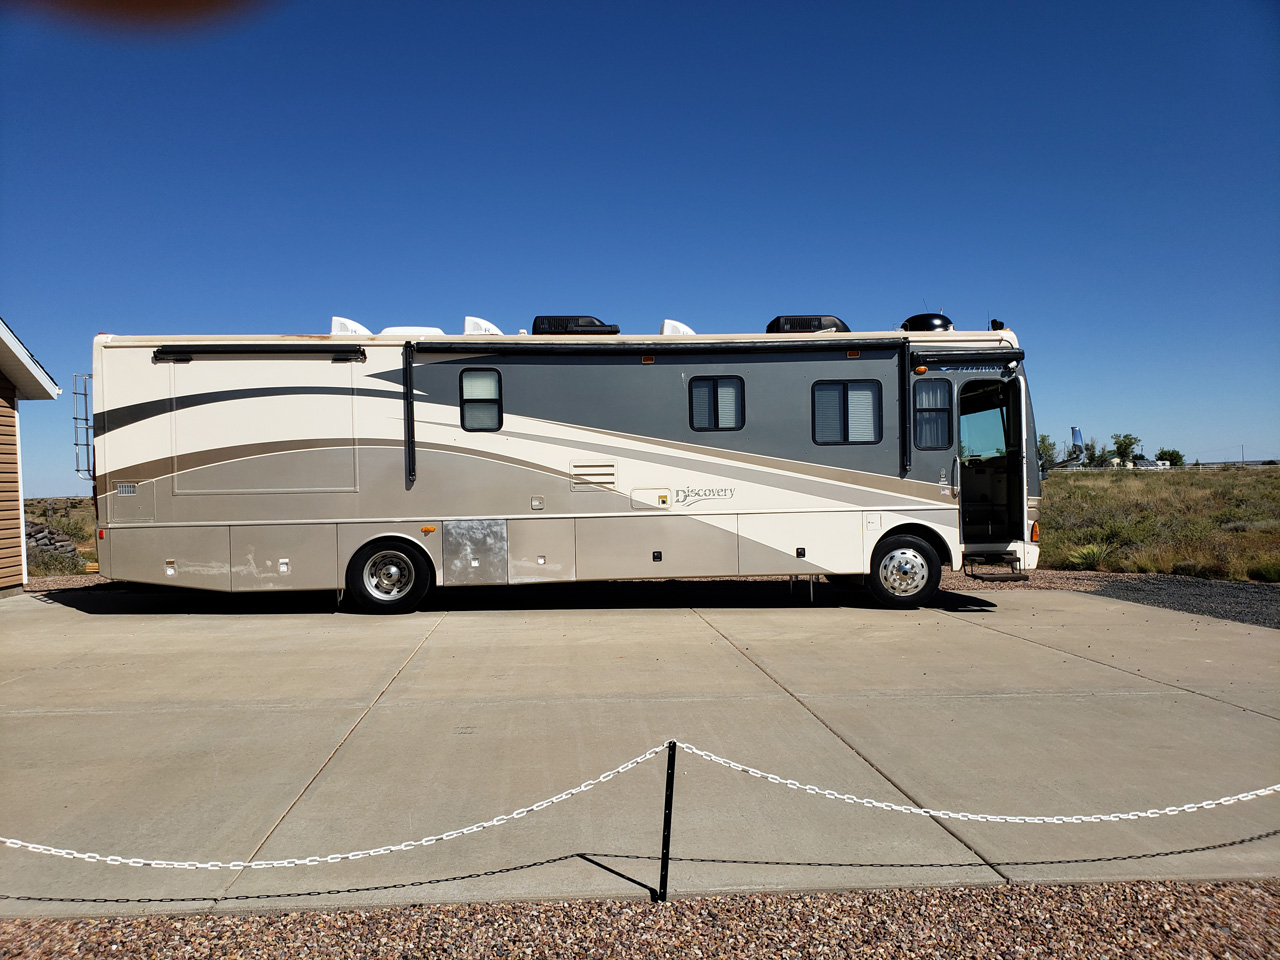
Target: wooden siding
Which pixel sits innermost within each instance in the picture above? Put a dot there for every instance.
(10, 506)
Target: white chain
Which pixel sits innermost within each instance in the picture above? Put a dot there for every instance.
(543, 804)
(983, 817)
(334, 857)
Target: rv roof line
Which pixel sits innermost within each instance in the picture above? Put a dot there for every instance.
(674, 345)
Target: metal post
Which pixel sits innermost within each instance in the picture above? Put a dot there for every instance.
(410, 442)
(666, 821)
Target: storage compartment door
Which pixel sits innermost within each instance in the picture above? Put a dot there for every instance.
(800, 543)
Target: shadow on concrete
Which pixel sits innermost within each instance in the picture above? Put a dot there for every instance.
(142, 599)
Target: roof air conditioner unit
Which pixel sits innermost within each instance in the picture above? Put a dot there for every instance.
(806, 325)
(341, 326)
(674, 328)
(477, 325)
(572, 325)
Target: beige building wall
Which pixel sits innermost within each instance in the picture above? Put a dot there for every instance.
(11, 530)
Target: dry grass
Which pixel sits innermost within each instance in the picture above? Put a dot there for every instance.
(73, 516)
(1220, 524)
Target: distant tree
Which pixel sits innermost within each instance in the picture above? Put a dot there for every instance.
(1095, 455)
(1048, 449)
(1139, 456)
(1174, 457)
(1125, 444)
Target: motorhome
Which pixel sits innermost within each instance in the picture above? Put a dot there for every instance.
(386, 464)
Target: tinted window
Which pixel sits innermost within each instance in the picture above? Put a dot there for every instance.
(846, 411)
(933, 414)
(716, 403)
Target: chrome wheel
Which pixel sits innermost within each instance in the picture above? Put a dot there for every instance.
(903, 572)
(388, 575)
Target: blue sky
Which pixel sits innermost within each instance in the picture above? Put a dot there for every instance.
(1104, 178)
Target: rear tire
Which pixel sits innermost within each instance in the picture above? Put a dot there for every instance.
(905, 572)
(389, 576)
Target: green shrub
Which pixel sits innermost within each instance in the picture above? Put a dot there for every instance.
(74, 528)
(1268, 572)
(1089, 557)
(46, 563)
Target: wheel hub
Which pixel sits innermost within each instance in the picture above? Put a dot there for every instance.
(389, 575)
(903, 572)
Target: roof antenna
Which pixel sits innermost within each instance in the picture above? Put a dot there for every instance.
(926, 304)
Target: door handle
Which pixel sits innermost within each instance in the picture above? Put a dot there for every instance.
(955, 478)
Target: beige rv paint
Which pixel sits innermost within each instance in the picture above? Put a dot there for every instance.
(184, 556)
(770, 543)
(622, 548)
(284, 556)
(541, 551)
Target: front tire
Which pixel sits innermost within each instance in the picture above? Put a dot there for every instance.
(389, 576)
(905, 572)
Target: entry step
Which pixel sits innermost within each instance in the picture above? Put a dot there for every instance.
(1012, 572)
(1006, 577)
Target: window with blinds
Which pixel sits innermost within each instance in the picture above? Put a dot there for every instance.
(480, 400)
(716, 403)
(846, 411)
(932, 414)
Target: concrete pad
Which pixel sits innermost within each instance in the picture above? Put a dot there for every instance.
(498, 757)
(184, 726)
(1068, 755)
(1234, 662)
(160, 784)
(889, 653)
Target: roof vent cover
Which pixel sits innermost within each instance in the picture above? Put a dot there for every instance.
(806, 325)
(572, 325)
(924, 322)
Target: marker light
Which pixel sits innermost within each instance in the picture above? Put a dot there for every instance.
(853, 354)
(428, 529)
(102, 534)
(646, 359)
(1035, 532)
(922, 369)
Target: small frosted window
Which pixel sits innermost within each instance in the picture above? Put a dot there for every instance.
(481, 400)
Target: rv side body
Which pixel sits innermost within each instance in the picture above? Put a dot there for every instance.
(242, 464)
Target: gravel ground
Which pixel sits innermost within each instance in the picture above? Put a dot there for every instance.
(1138, 919)
(1148, 920)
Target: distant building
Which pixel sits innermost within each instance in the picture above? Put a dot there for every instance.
(21, 378)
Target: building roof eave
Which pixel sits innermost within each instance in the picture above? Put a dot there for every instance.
(20, 367)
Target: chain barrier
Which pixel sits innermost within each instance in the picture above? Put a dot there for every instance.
(587, 785)
(980, 817)
(333, 857)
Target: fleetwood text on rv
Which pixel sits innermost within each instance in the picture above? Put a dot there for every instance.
(387, 463)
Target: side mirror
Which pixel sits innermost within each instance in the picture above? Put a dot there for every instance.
(1077, 454)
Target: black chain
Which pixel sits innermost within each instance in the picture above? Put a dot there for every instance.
(975, 863)
(301, 893)
(637, 856)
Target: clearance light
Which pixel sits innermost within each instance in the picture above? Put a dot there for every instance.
(646, 359)
(853, 354)
(102, 534)
(922, 369)
(1035, 532)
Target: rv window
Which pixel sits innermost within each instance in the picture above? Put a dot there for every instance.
(933, 414)
(716, 403)
(481, 399)
(846, 411)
